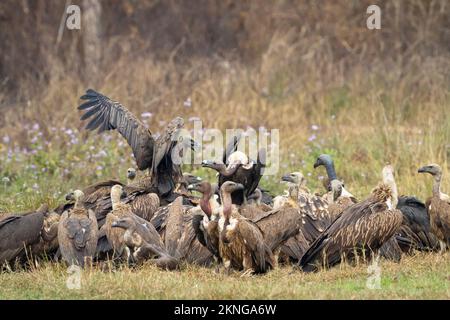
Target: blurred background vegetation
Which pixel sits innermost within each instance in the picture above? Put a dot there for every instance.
(309, 68)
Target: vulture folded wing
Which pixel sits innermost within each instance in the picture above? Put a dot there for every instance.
(254, 242)
(106, 115)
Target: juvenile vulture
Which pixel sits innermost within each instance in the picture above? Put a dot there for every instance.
(438, 207)
(360, 230)
(313, 208)
(142, 204)
(145, 243)
(77, 232)
(27, 235)
(152, 154)
(236, 167)
(241, 241)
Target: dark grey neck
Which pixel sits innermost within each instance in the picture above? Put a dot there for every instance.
(329, 166)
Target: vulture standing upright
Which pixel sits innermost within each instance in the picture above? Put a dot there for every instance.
(241, 241)
(77, 232)
(206, 225)
(360, 230)
(237, 167)
(438, 207)
(152, 154)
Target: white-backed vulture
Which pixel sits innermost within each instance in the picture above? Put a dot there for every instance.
(27, 235)
(77, 233)
(360, 230)
(236, 167)
(438, 207)
(241, 241)
(152, 154)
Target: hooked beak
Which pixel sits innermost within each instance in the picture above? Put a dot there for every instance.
(69, 196)
(207, 163)
(239, 186)
(287, 178)
(424, 169)
(318, 163)
(119, 224)
(123, 195)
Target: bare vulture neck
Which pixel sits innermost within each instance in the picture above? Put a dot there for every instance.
(227, 206)
(205, 203)
(331, 172)
(437, 185)
(227, 172)
(390, 181)
(115, 200)
(293, 191)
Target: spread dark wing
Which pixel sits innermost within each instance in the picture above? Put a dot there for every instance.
(106, 114)
(231, 147)
(168, 173)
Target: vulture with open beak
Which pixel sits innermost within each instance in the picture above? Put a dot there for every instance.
(241, 241)
(77, 232)
(237, 167)
(152, 154)
(438, 207)
(360, 230)
(28, 235)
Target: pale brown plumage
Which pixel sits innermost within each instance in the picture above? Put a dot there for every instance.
(241, 242)
(438, 207)
(361, 229)
(77, 233)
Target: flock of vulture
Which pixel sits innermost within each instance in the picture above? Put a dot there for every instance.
(168, 218)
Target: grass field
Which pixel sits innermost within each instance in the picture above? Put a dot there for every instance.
(423, 276)
(327, 83)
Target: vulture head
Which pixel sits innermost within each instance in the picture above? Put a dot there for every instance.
(433, 169)
(295, 178)
(75, 196)
(189, 178)
(131, 174)
(203, 187)
(256, 196)
(230, 187)
(323, 160)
